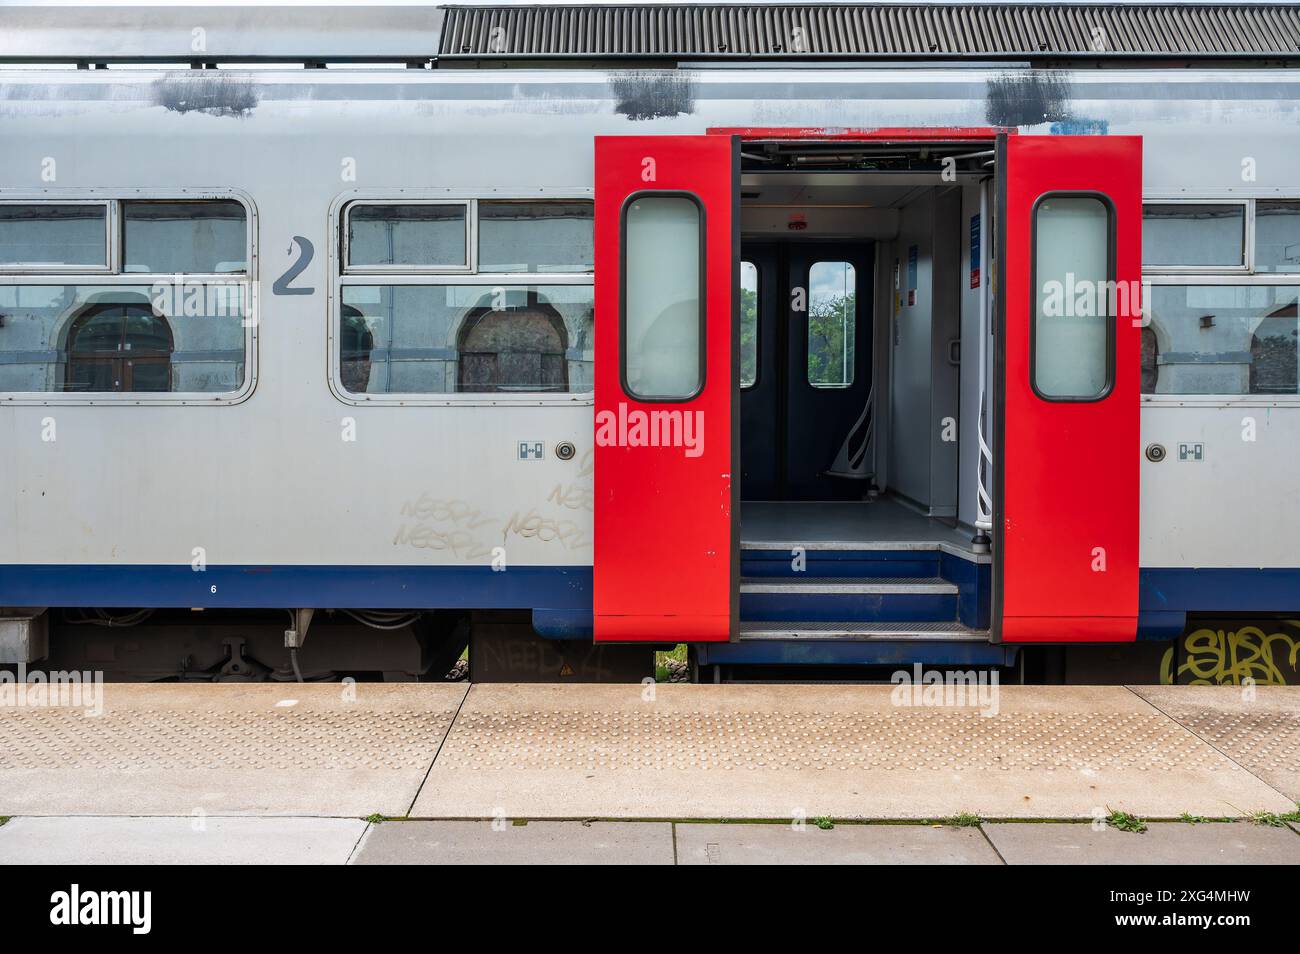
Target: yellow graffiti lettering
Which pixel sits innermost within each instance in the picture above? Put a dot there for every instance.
(1224, 657)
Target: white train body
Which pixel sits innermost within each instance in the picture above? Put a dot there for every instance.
(289, 490)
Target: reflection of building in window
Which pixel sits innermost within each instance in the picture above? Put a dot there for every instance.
(356, 342)
(513, 349)
(119, 347)
(1150, 360)
(1225, 339)
(1273, 353)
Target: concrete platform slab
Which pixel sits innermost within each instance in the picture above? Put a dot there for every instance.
(272, 749)
(197, 840)
(1163, 843)
(849, 752)
(703, 844)
(1259, 729)
(536, 843)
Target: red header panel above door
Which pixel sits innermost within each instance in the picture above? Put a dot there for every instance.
(666, 546)
(1066, 558)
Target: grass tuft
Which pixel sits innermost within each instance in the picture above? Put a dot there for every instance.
(1123, 821)
(1275, 819)
(824, 822)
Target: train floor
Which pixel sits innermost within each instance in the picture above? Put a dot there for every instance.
(370, 768)
(883, 523)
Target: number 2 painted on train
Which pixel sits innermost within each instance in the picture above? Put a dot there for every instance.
(306, 251)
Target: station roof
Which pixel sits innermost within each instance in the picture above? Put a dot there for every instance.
(855, 31)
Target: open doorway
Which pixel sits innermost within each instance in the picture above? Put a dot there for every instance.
(861, 315)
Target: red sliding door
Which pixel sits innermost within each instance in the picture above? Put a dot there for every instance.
(1066, 552)
(666, 545)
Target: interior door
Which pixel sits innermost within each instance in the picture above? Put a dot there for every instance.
(1066, 494)
(762, 372)
(829, 331)
(666, 544)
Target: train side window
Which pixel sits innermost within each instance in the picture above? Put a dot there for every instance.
(1277, 236)
(1186, 235)
(413, 339)
(432, 235)
(195, 238)
(748, 324)
(1072, 337)
(88, 321)
(662, 284)
(92, 338)
(548, 236)
(1225, 339)
(832, 324)
(54, 235)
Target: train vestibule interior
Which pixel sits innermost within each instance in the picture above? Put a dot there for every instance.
(864, 289)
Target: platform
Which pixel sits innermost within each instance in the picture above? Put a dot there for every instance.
(674, 752)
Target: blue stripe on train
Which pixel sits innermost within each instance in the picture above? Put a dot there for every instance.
(1163, 590)
(257, 587)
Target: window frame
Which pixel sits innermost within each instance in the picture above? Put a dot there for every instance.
(758, 324)
(471, 240)
(341, 277)
(112, 239)
(807, 331)
(703, 322)
(502, 200)
(1247, 238)
(114, 275)
(1219, 276)
(1111, 277)
(1254, 251)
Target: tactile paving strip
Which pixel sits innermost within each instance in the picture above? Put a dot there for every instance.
(1259, 731)
(845, 751)
(919, 740)
(316, 749)
(270, 740)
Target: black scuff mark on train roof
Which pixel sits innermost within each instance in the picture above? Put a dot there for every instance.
(1028, 98)
(653, 94)
(212, 94)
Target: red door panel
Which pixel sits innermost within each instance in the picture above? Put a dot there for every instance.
(1066, 561)
(666, 551)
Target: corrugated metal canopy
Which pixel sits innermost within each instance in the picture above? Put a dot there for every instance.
(857, 31)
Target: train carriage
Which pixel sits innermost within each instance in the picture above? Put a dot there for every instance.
(848, 335)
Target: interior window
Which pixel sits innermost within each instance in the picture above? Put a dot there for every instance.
(1072, 289)
(832, 324)
(535, 237)
(430, 235)
(663, 317)
(166, 238)
(48, 234)
(748, 324)
(1185, 234)
(1277, 236)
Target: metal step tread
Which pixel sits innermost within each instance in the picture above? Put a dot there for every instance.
(802, 583)
(945, 630)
